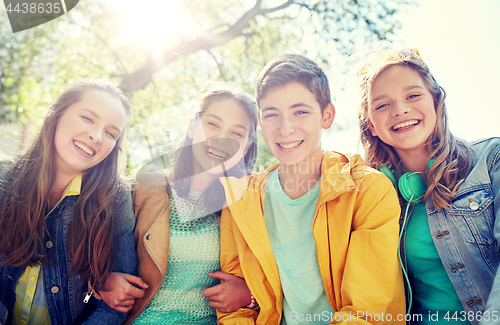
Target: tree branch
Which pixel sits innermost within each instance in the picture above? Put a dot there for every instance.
(223, 77)
(140, 78)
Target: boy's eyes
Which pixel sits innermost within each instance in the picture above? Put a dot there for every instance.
(87, 118)
(270, 115)
(413, 96)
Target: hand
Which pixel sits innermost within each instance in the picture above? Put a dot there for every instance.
(121, 291)
(230, 295)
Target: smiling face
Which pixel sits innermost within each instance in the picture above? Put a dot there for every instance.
(291, 122)
(402, 112)
(220, 136)
(87, 131)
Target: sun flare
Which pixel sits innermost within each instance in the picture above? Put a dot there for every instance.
(153, 22)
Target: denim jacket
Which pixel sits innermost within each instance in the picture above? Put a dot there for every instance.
(466, 235)
(65, 292)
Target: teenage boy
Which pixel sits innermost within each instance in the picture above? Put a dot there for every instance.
(316, 235)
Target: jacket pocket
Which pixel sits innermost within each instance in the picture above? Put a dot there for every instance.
(474, 217)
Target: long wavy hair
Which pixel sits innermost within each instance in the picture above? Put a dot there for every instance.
(183, 169)
(453, 157)
(25, 189)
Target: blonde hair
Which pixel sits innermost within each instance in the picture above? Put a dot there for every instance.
(453, 157)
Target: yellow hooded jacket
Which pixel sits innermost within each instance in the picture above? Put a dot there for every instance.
(355, 229)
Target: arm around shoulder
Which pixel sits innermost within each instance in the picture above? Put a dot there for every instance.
(230, 263)
(125, 256)
(372, 285)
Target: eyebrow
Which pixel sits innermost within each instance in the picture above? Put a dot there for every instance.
(272, 108)
(404, 89)
(219, 119)
(97, 116)
(300, 105)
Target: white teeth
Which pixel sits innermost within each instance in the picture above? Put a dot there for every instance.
(216, 154)
(407, 123)
(290, 145)
(84, 148)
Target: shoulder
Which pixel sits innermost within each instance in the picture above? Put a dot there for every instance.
(150, 184)
(486, 145)
(486, 153)
(352, 167)
(149, 190)
(5, 166)
(255, 180)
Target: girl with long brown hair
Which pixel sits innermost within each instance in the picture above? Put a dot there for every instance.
(177, 231)
(66, 219)
(449, 190)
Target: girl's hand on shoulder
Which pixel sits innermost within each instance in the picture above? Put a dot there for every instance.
(230, 295)
(122, 290)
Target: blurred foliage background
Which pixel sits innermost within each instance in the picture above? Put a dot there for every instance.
(161, 53)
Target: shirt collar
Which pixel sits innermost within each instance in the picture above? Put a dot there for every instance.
(74, 187)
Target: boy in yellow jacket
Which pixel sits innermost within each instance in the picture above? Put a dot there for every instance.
(316, 235)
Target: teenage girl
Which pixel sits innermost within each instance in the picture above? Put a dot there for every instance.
(177, 228)
(66, 218)
(449, 227)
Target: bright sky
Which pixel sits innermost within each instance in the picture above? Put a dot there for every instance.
(459, 40)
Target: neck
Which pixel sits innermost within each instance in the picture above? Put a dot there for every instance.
(61, 181)
(414, 161)
(201, 181)
(296, 182)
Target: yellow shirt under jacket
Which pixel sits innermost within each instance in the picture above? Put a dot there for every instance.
(356, 233)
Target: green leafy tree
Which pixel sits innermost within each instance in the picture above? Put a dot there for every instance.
(233, 41)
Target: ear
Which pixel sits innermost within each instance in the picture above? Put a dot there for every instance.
(371, 127)
(328, 116)
(191, 129)
(246, 149)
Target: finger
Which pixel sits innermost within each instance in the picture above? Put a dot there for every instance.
(135, 280)
(215, 298)
(221, 275)
(220, 307)
(213, 291)
(216, 304)
(123, 309)
(134, 292)
(125, 303)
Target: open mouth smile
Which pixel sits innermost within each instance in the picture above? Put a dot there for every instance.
(214, 153)
(290, 145)
(405, 125)
(84, 148)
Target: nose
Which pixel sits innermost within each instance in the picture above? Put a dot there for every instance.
(222, 136)
(399, 109)
(95, 136)
(221, 140)
(286, 128)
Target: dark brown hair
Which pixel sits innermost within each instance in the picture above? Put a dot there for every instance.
(25, 189)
